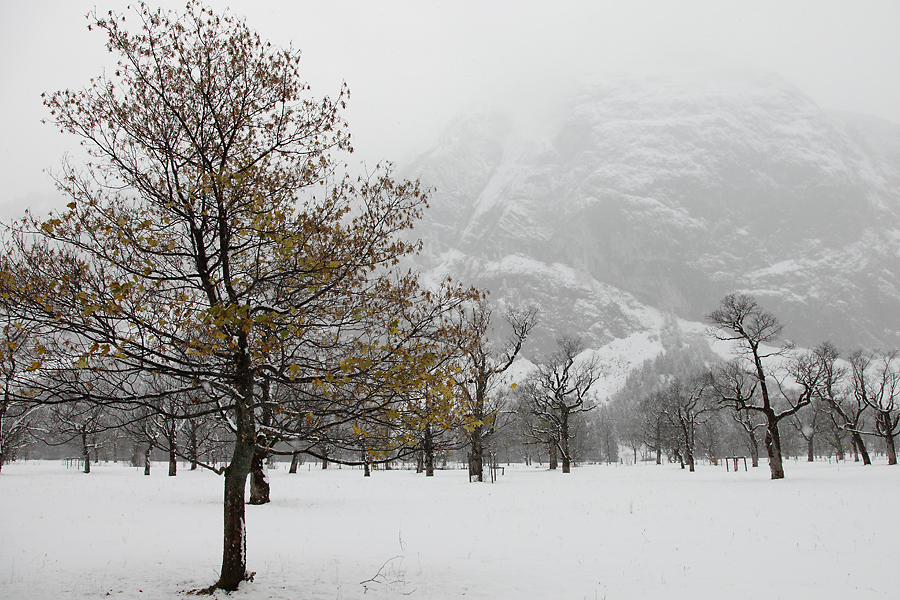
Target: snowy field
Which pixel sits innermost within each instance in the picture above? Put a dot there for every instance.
(615, 532)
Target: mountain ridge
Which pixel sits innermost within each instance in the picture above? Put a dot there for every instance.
(676, 193)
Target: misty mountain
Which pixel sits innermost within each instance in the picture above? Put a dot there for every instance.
(644, 197)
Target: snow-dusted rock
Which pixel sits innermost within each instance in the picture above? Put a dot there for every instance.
(646, 196)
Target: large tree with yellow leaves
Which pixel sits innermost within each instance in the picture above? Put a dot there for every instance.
(213, 241)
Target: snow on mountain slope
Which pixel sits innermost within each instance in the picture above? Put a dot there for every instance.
(648, 196)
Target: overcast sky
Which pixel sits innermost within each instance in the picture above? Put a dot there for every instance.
(413, 65)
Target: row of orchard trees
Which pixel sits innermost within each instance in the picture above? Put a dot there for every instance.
(457, 405)
(688, 401)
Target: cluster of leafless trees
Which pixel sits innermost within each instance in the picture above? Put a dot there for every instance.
(688, 402)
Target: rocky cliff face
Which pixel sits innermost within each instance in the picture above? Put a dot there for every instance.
(648, 196)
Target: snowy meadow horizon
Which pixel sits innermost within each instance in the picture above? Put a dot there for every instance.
(603, 531)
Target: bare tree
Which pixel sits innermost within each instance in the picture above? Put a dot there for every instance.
(876, 383)
(809, 422)
(741, 320)
(558, 391)
(481, 374)
(605, 434)
(629, 424)
(80, 422)
(846, 408)
(749, 423)
(655, 427)
(688, 404)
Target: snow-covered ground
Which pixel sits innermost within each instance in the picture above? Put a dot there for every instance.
(615, 532)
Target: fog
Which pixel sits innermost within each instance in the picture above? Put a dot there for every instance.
(412, 66)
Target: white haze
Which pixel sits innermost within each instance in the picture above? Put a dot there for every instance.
(412, 66)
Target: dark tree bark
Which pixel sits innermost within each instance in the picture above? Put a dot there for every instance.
(428, 451)
(476, 457)
(234, 555)
(754, 448)
(885, 425)
(173, 460)
(259, 479)
(773, 447)
(859, 446)
(564, 442)
(85, 453)
(295, 462)
(552, 449)
(147, 459)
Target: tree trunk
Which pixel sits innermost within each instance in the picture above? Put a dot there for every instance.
(420, 461)
(367, 469)
(754, 448)
(234, 555)
(195, 451)
(295, 462)
(891, 449)
(173, 460)
(234, 551)
(259, 479)
(85, 453)
(690, 458)
(552, 456)
(773, 446)
(658, 446)
(810, 450)
(477, 456)
(860, 446)
(564, 443)
(428, 451)
(147, 459)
